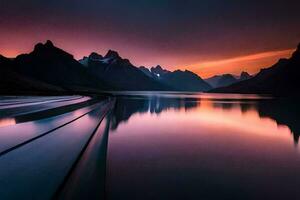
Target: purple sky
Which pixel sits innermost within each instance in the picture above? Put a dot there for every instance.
(208, 37)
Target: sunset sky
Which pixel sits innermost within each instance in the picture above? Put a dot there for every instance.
(208, 37)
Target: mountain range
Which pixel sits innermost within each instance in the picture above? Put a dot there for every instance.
(120, 73)
(50, 69)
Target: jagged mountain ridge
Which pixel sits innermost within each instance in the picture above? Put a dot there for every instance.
(120, 73)
(54, 66)
(115, 70)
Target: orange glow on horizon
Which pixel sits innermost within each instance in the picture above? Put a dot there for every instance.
(10, 53)
(249, 63)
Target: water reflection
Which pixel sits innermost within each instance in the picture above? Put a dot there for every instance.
(189, 147)
(127, 106)
(7, 122)
(283, 112)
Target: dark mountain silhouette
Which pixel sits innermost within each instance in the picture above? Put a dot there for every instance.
(159, 70)
(244, 76)
(54, 66)
(226, 79)
(13, 83)
(221, 80)
(282, 79)
(185, 81)
(50, 68)
(154, 72)
(213, 81)
(147, 72)
(178, 80)
(120, 73)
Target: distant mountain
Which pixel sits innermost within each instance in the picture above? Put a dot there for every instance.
(147, 72)
(120, 73)
(244, 76)
(159, 71)
(185, 81)
(282, 79)
(178, 80)
(154, 72)
(226, 79)
(213, 81)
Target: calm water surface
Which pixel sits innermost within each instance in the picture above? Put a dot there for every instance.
(198, 146)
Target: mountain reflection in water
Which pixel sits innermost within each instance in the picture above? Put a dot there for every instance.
(126, 106)
(198, 146)
(279, 112)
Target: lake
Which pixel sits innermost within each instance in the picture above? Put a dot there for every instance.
(203, 146)
(149, 145)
